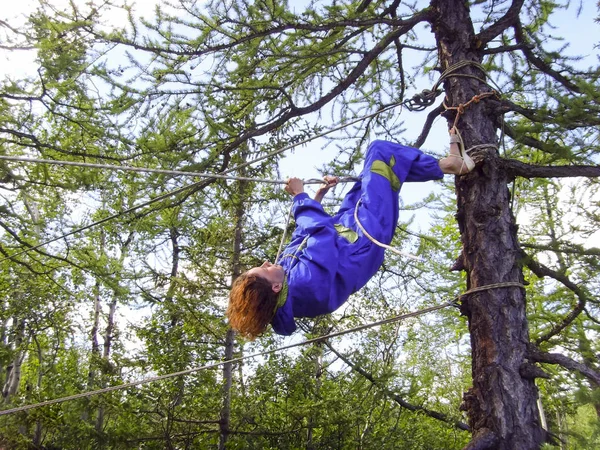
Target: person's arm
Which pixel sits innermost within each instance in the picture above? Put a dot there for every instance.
(308, 213)
(324, 188)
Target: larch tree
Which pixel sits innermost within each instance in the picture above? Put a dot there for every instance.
(203, 87)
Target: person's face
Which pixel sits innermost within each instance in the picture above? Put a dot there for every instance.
(273, 273)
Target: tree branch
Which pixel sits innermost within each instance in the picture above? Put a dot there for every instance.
(276, 31)
(574, 250)
(354, 74)
(37, 144)
(497, 28)
(531, 114)
(22, 263)
(539, 63)
(535, 354)
(542, 271)
(504, 49)
(550, 148)
(520, 169)
(434, 114)
(589, 119)
(399, 400)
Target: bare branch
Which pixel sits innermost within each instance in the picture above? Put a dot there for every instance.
(539, 63)
(399, 400)
(497, 28)
(537, 355)
(520, 169)
(542, 271)
(504, 49)
(574, 250)
(531, 114)
(14, 30)
(18, 47)
(434, 114)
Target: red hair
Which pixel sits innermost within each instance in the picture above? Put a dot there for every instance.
(252, 304)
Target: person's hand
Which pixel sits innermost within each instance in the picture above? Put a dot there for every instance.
(294, 186)
(330, 181)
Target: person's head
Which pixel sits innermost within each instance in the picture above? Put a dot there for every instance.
(253, 299)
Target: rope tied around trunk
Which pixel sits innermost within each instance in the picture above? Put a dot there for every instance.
(504, 284)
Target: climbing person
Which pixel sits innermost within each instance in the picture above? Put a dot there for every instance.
(329, 257)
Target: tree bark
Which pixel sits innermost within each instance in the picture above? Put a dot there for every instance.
(13, 371)
(95, 351)
(38, 429)
(108, 337)
(501, 405)
(224, 423)
(318, 364)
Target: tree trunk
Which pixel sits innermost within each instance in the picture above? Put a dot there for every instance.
(224, 422)
(4, 345)
(175, 330)
(13, 371)
(95, 354)
(38, 430)
(108, 337)
(501, 405)
(318, 361)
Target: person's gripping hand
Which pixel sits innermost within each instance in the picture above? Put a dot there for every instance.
(330, 181)
(294, 186)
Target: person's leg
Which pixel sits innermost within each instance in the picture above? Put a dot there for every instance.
(387, 166)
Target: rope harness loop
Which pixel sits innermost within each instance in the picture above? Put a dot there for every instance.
(420, 101)
(461, 107)
(381, 244)
(487, 287)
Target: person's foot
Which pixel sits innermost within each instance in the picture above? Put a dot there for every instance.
(458, 162)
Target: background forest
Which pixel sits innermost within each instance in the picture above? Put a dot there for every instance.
(110, 277)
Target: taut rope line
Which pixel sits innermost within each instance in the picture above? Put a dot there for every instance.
(220, 363)
(56, 162)
(381, 244)
(193, 185)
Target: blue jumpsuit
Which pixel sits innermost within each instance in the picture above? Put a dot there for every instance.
(329, 258)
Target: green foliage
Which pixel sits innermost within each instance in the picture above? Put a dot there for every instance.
(203, 87)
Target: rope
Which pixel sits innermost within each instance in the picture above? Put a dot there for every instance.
(460, 109)
(381, 244)
(476, 147)
(492, 286)
(233, 360)
(55, 162)
(426, 97)
(312, 138)
(184, 188)
(106, 219)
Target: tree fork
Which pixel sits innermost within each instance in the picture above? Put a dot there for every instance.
(501, 405)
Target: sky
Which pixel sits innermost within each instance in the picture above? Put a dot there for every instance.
(304, 161)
